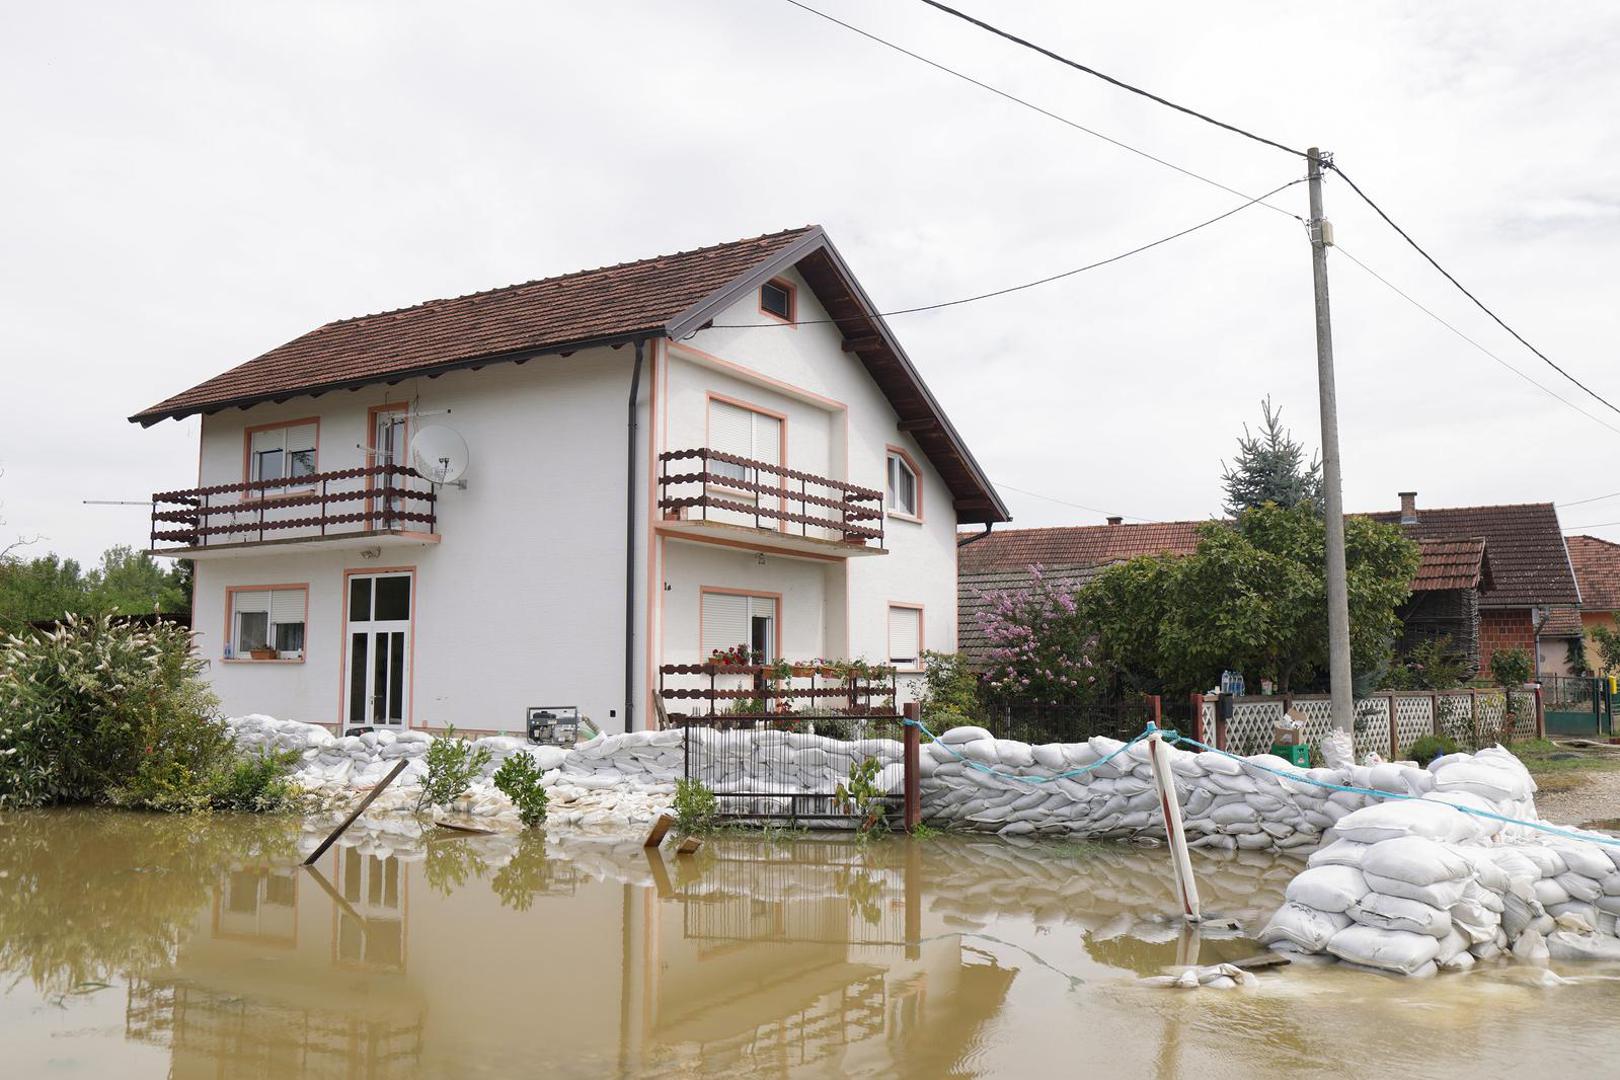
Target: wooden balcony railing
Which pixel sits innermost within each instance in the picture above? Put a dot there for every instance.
(347, 502)
(732, 490)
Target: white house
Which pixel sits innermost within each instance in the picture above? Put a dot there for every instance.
(661, 458)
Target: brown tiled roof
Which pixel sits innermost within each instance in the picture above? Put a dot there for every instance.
(1076, 545)
(1450, 564)
(665, 296)
(583, 307)
(1562, 622)
(1528, 562)
(972, 588)
(1597, 571)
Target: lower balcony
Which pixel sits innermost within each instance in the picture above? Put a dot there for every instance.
(711, 496)
(379, 506)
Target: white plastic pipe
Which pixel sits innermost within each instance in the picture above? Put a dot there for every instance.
(1170, 803)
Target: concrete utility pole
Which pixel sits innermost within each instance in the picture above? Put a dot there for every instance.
(1338, 591)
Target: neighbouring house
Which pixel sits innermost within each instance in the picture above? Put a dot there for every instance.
(1490, 577)
(1597, 572)
(1068, 555)
(1532, 602)
(542, 494)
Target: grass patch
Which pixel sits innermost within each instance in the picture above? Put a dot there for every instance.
(1559, 767)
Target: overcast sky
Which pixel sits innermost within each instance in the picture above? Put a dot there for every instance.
(188, 185)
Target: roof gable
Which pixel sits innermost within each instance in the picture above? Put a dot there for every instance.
(1529, 564)
(1597, 572)
(666, 296)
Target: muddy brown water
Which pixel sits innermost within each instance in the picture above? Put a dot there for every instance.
(140, 946)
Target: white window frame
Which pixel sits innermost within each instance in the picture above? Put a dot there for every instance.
(906, 663)
(774, 425)
(898, 460)
(280, 434)
(277, 605)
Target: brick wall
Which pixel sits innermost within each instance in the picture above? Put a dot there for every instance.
(1504, 628)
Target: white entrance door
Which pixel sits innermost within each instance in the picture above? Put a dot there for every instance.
(378, 679)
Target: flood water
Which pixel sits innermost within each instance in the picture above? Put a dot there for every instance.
(148, 946)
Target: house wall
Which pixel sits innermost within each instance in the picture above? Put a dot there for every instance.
(1589, 621)
(839, 424)
(521, 601)
(1504, 628)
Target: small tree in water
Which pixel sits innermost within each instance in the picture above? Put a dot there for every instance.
(1271, 468)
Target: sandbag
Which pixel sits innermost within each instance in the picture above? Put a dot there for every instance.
(1387, 950)
(1305, 928)
(1398, 913)
(1328, 888)
(1442, 894)
(1406, 817)
(1415, 859)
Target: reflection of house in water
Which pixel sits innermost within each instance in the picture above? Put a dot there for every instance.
(766, 956)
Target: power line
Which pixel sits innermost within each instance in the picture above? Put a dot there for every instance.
(1027, 284)
(1593, 499)
(1123, 85)
(1477, 302)
(1015, 99)
(1595, 525)
(1065, 502)
(1398, 291)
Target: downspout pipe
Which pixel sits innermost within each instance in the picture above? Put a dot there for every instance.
(630, 544)
(978, 536)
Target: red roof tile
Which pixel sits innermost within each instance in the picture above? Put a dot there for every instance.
(590, 305)
(1597, 571)
(1077, 545)
(1528, 562)
(1450, 564)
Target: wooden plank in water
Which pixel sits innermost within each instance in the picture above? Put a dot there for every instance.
(689, 845)
(1263, 960)
(659, 829)
(463, 828)
(367, 801)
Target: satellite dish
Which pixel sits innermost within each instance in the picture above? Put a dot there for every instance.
(440, 454)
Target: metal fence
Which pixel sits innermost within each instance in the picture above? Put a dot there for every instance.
(789, 770)
(1386, 724)
(1035, 723)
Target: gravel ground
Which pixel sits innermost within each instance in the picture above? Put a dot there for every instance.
(1595, 799)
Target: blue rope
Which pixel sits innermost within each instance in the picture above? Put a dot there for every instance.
(1375, 793)
(982, 767)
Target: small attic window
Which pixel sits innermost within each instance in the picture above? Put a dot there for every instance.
(776, 299)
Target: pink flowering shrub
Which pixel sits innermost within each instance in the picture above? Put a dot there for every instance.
(1038, 644)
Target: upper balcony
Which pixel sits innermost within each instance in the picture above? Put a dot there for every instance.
(351, 508)
(727, 498)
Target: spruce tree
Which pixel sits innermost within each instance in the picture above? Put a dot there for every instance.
(1271, 467)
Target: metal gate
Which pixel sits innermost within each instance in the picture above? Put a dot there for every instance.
(1578, 705)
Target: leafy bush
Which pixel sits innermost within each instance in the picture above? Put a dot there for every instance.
(949, 694)
(103, 712)
(860, 792)
(452, 765)
(1429, 747)
(1431, 664)
(695, 807)
(255, 784)
(519, 779)
(1510, 667)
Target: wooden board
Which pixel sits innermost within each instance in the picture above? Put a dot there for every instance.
(463, 828)
(689, 845)
(660, 828)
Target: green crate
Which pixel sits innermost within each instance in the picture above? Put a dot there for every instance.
(1294, 755)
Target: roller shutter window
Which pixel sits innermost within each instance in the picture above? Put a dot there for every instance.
(905, 637)
(283, 453)
(730, 620)
(268, 619)
(745, 433)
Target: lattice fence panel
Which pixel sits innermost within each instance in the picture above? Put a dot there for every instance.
(1414, 718)
(1457, 717)
(1249, 730)
(1206, 721)
(1491, 720)
(1318, 714)
(1524, 716)
(1372, 728)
